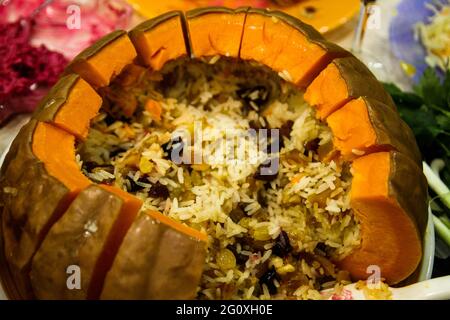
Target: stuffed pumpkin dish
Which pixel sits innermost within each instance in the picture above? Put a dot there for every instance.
(211, 154)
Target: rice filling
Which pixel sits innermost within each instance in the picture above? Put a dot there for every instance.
(232, 149)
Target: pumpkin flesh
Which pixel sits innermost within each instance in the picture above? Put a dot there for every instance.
(391, 239)
(341, 81)
(152, 43)
(365, 126)
(297, 50)
(56, 149)
(105, 59)
(63, 104)
(215, 32)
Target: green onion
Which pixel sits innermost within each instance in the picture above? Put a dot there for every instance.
(442, 223)
(442, 229)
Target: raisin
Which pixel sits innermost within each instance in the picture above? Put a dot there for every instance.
(116, 151)
(262, 198)
(312, 145)
(237, 214)
(159, 190)
(325, 279)
(173, 148)
(322, 247)
(282, 246)
(134, 187)
(241, 259)
(261, 269)
(268, 279)
(109, 120)
(255, 125)
(90, 165)
(250, 101)
(308, 257)
(266, 172)
(286, 128)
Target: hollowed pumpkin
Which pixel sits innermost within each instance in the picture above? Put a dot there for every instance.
(48, 204)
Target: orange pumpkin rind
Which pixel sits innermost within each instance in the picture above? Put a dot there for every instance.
(63, 104)
(161, 40)
(105, 59)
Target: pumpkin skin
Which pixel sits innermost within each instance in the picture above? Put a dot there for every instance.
(168, 265)
(39, 200)
(215, 31)
(78, 238)
(44, 208)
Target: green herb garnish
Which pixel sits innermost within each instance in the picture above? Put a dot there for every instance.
(427, 111)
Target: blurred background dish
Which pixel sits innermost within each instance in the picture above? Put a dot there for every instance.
(406, 47)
